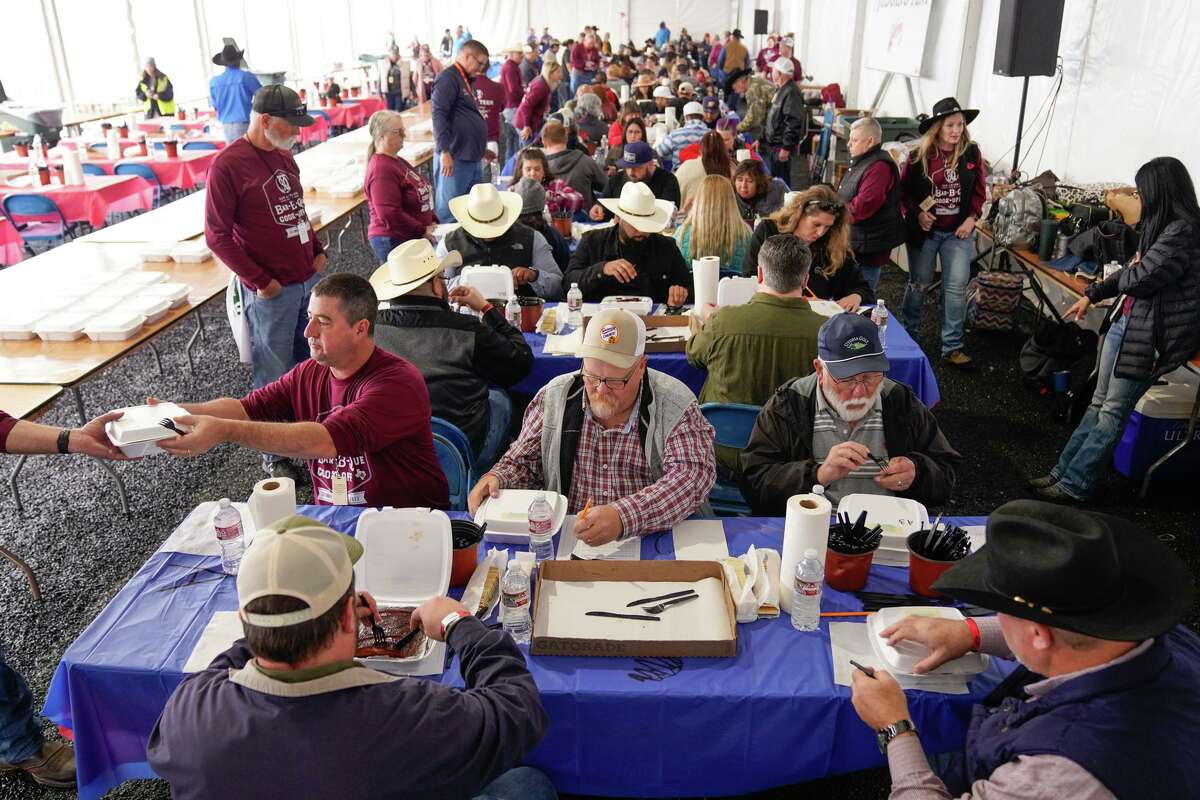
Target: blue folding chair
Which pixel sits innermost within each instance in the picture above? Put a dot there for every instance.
(142, 171)
(458, 475)
(92, 169)
(733, 423)
(199, 145)
(36, 231)
(452, 433)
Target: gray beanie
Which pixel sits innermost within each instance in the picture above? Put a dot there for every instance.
(533, 194)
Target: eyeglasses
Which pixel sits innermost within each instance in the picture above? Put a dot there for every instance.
(612, 384)
(828, 206)
(869, 380)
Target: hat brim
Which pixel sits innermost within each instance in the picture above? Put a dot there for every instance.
(734, 77)
(618, 360)
(848, 368)
(485, 230)
(969, 114)
(299, 120)
(623, 164)
(381, 278)
(220, 60)
(1154, 591)
(663, 209)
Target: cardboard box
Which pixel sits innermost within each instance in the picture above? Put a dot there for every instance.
(627, 572)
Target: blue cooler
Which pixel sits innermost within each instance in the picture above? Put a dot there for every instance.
(1158, 423)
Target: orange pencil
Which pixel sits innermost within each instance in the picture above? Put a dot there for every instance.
(846, 613)
(586, 506)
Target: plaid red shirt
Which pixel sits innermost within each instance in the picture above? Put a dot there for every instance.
(611, 468)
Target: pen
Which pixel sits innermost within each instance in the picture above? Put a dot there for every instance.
(870, 673)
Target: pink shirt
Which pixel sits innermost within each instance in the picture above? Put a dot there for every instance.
(379, 422)
(399, 198)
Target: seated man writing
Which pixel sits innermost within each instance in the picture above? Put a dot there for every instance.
(287, 712)
(359, 414)
(628, 439)
(632, 257)
(848, 428)
(490, 234)
(1106, 703)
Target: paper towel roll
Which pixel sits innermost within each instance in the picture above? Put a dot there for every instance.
(625, 93)
(706, 273)
(806, 525)
(272, 499)
(669, 116)
(72, 167)
(81, 147)
(113, 141)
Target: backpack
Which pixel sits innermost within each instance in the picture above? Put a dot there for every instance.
(993, 297)
(1019, 216)
(1056, 347)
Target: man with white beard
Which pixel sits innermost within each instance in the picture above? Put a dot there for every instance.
(256, 224)
(847, 428)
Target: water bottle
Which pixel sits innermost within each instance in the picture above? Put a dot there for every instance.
(602, 151)
(541, 529)
(879, 315)
(1110, 269)
(806, 602)
(228, 525)
(575, 306)
(514, 602)
(512, 312)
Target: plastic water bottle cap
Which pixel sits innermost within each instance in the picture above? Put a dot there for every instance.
(811, 553)
(818, 489)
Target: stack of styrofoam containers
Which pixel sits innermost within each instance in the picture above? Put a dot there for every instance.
(18, 325)
(61, 326)
(152, 308)
(153, 252)
(175, 294)
(191, 252)
(114, 326)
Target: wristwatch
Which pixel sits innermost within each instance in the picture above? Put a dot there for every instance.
(64, 441)
(450, 620)
(885, 735)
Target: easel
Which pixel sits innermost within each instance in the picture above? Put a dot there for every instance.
(883, 87)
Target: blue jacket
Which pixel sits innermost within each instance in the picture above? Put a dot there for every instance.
(662, 37)
(230, 94)
(458, 127)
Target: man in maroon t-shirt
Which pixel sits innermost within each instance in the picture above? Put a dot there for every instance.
(489, 95)
(357, 413)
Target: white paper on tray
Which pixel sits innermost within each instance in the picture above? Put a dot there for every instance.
(195, 535)
(563, 344)
(628, 550)
(700, 540)
(848, 640)
(702, 619)
(222, 630)
(495, 557)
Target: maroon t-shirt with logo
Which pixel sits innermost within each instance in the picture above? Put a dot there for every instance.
(947, 191)
(490, 96)
(7, 423)
(254, 217)
(379, 422)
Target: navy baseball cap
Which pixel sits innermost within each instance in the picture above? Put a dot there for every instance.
(711, 103)
(635, 154)
(849, 345)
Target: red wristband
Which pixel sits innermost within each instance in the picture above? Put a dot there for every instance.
(486, 308)
(976, 638)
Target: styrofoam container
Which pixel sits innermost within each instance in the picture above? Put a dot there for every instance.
(351, 188)
(138, 431)
(898, 516)
(18, 325)
(174, 293)
(115, 326)
(314, 216)
(136, 281)
(903, 657)
(507, 514)
(406, 560)
(156, 251)
(63, 326)
(96, 304)
(193, 252)
(642, 306)
(47, 302)
(152, 308)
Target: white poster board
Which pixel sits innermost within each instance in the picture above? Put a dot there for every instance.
(895, 35)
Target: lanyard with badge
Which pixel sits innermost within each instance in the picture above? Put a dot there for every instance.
(301, 229)
(467, 82)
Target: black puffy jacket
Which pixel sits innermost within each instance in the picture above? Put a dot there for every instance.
(1163, 329)
(787, 121)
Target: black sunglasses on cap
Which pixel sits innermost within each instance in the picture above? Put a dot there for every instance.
(828, 206)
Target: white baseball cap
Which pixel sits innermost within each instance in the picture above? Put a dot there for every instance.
(663, 91)
(693, 108)
(783, 65)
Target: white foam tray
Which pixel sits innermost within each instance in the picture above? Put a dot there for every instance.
(115, 326)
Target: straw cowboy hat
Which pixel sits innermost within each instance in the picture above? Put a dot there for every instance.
(644, 82)
(515, 48)
(408, 266)
(486, 213)
(638, 207)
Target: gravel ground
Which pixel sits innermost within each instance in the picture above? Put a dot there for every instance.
(84, 550)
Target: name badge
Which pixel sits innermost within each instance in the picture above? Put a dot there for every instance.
(340, 495)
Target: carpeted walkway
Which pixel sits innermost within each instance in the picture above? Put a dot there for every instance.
(84, 550)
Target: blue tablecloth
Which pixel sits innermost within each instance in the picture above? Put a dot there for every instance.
(628, 727)
(909, 363)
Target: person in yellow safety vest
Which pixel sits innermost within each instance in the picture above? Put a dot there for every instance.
(156, 92)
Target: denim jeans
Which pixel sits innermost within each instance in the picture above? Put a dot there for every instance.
(382, 245)
(779, 169)
(1088, 450)
(499, 418)
(510, 138)
(579, 78)
(20, 732)
(956, 257)
(871, 274)
(277, 330)
(235, 130)
(466, 174)
(519, 783)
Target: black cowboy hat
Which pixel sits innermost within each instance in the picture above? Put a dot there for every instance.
(1076, 570)
(230, 56)
(944, 108)
(734, 77)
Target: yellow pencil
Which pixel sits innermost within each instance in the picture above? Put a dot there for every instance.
(586, 506)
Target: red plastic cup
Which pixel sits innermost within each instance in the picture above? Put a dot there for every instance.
(44, 175)
(847, 572)
(123, 131)
(466, 536)
(21, 149)
(531, 312)
(172, 149)
(922, 571)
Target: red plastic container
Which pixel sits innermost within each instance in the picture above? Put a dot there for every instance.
(21, 149)
(922, 571)
(465, 536)
(846, 572)
(172, 148)
(531, 312)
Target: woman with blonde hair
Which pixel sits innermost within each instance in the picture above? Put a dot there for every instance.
(399, 200)
(714, 227)
(818, 218)
(943, 192)
(536, 103)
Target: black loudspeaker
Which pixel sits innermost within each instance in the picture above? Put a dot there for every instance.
(1027, 37)
(760, 22)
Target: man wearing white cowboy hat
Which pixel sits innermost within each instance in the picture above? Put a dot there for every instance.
(459, 354)
(693, 130)
(489, 233)
(629, 439)
(633, 256)
(286, 711)
(637, 165)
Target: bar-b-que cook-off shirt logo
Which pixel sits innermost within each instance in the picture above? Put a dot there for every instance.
(285, 198)
(353, 469)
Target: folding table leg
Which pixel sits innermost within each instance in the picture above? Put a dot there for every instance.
(342, 232)
(200, 324)
(104, 465)
(12, 483)
(30, 578)
(191, 342)
(157, 357)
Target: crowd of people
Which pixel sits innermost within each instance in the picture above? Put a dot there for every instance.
(703, 140)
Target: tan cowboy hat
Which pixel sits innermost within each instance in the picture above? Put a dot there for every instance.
(515, 48)
(644, 81)
(408, 266)
(484, 212)
(638, 206)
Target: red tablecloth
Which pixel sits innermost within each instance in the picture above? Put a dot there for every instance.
(11, 248)
(317, 132)
(171, 124)
(346, 115)
(183, 172)
(369, 105)
(95, 200)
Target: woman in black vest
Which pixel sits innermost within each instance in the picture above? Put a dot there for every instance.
(943, 194)
(822, 222)
(871, 190)
(1157, 328)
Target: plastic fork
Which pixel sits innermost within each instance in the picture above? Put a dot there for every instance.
(377, 631)
(170, 425)
(658, 609)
